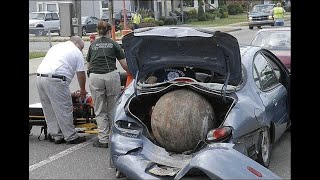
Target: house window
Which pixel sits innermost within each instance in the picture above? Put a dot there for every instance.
(105, 5)
(39, 7)
(212, 2)
(52, 7)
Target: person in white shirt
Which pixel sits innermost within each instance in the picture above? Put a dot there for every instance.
(54, 75)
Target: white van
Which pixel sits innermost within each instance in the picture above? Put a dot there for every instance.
(41, 22)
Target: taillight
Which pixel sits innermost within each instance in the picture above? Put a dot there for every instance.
(254, 171)
(127, 125)
(219, 134)
(129, 79)
(128, 129)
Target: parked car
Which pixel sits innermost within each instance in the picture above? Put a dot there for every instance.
(261, 15)
(89, 24)
(278, 41)
(129, 15)
(248, 88)
(41, 22)
(116, 16)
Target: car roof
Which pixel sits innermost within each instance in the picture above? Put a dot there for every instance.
(44, 12)
(265, 4)
(281, 28)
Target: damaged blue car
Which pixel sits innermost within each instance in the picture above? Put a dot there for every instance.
(218, 124)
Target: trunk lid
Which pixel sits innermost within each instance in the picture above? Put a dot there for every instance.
(149, 49)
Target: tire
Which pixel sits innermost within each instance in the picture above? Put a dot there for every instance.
(272, 24)
(119, 174)
(250, 27)
(264, 148)
(259, 27)
(39, 33)
(84, 31)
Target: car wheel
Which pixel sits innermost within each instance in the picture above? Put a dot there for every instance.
(39, 33)
(119, 174)
(259, 27)
(84, 31)
(250, 27)
(264, 148)
(272, 24)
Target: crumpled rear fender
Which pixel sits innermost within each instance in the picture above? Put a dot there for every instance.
(221, 161)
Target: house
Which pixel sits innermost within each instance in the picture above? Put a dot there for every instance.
(97, 7)
(88, 7)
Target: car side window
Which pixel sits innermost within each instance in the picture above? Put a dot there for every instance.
(256, 78)
(55, 16)
(265, 72)
(48, 17)
(89, 21)
(95, 20)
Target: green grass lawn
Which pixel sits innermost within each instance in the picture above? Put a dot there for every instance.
(33, 55)
(222, 22)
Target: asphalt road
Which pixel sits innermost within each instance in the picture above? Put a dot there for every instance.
(83, 161)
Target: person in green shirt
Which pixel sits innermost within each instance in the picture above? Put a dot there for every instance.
(104, 79)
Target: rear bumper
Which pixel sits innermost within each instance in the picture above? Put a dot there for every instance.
(261, 23)
(36, 30)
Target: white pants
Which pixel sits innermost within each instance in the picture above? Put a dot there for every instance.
(57, 107)
(104, 90)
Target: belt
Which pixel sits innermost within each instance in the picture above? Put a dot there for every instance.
(53, 76)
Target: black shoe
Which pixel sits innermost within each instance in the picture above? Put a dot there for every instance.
(99, 144)
(59, 141)
(77, 141)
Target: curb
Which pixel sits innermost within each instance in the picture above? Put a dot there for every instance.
(232, 30)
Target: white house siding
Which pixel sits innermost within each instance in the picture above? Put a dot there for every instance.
(90, 8)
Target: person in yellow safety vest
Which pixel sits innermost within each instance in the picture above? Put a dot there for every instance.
(278, 15)
(136, 20)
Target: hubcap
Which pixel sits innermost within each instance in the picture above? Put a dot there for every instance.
(265, 146)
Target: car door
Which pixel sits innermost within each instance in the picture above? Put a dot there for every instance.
(273, 94)
(94, 24)
(55, 21)
(52, 21)
(89, 24)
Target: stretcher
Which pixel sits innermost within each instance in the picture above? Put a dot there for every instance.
(83, 116)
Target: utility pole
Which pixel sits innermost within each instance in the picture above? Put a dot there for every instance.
(156, 11)
(124, 15)
(181, 9)
(111, 20)
(78, 14)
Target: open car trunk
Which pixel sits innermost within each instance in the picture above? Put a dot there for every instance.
(141, 105)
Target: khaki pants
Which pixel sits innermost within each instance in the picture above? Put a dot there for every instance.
(57, 107)
(104, 90)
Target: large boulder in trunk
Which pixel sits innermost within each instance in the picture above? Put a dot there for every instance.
(180, 119)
